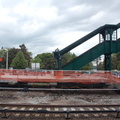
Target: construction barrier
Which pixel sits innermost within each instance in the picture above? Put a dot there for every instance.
(84, 77)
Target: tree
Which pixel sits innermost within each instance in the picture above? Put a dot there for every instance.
(12, 52)
(19, 62)
(46, 60)
(26, 53)
(118, 56)
(67, 57)
(100, 66)
(115, 58)
(114, 61)
(36, 60)
(89, 66)
(118, 66)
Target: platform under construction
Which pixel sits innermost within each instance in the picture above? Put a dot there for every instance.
(64, 77)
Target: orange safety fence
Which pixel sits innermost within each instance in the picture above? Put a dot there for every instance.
(58, 76)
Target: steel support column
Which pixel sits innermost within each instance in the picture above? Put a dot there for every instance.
(58, 57)
(107, 61)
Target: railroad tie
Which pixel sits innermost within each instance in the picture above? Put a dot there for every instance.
(64, 109)
(28, 114)
(57, 115)
(6, 108)
(105, 115)
(73, 109)
(17, 114)
(96, 115)
(37, 115)
(23, 108)
(86, 115)
(14, 108)
(104, 108)
(97, 109)
(91, 109)
(5, 114)
(47, 115)
(82, 109)
(112, 108)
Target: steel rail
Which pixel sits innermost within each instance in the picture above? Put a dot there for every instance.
(53, 89)
(53, 106)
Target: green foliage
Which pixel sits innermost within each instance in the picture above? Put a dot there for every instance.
(46, 60)
(68, 57)
(118, 56)
(19, 62)
(36, 60)
(118, 66)
(11, 55)
(115, 62)
(89, 66)
(1, 53)
(12, 52)
(100, 66)
(26, 53)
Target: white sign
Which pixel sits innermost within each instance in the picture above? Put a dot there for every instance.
(35, 66)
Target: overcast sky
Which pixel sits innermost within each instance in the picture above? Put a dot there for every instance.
(44, 25)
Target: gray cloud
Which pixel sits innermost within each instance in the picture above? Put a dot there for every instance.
(46, 25)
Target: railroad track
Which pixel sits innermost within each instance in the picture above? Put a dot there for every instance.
(59, 111)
